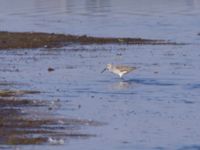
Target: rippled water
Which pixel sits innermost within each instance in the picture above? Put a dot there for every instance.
(176, 20)
(156, 107)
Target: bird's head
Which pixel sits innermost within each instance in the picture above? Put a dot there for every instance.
(108, 66)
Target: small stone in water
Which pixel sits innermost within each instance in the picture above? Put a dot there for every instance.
(50, 69)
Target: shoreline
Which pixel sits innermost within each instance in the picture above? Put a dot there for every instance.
(17, 40)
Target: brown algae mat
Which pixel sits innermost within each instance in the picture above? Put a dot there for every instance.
(15, 40)
(19, 126)
(8, 93)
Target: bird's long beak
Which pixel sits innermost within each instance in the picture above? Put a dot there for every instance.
(103, 70)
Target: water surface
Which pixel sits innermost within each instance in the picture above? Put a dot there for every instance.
(174, 20)
(156, 107)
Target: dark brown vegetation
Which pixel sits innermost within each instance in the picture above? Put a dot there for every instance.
(15, 40)
(19, 125)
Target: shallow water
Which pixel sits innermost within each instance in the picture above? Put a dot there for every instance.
(156, 107)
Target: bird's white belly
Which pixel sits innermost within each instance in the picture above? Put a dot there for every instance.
(120, 73)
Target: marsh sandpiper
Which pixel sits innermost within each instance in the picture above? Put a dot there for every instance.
(118, 69)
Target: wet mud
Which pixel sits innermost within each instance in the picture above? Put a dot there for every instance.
(8, 93)
(16, 40)
(18, 125)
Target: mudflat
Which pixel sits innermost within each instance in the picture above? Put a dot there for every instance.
(16, 40)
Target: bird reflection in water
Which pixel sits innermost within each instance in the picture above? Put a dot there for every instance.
(122, 85)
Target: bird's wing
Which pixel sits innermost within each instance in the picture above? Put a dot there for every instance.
(125, 68)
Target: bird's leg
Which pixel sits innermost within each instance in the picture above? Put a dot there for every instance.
(121, 77)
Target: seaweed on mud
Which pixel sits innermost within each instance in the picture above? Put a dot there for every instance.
(16, 40)
(15, 140)
(8, 93)
(17, 127)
